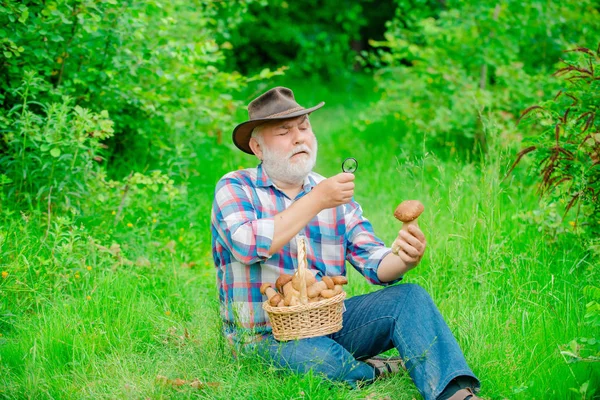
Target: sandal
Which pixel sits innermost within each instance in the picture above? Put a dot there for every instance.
(386, 366)
(464, 394)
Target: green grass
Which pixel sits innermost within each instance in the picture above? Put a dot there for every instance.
(510, 290)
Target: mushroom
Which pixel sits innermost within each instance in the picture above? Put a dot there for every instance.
(328, 281)
(329, 293)
(290, 295)
(407, 212)
(281, 281)
(316, 289)
(309, 278)
(339, 280)
(274, 297)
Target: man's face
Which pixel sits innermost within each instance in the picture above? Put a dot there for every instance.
(288, 149)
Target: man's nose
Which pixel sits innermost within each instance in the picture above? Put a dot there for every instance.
(298, 136)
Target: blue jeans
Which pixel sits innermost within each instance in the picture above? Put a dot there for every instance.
(402, 316)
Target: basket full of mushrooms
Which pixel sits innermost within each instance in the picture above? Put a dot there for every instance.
(300, 306)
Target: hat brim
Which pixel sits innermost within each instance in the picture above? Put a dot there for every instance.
(242, 133)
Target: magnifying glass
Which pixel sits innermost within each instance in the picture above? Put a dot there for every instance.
(350, 165)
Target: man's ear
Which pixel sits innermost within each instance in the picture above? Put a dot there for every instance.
(255, 147)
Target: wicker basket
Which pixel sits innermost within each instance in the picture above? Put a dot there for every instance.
(306, 320)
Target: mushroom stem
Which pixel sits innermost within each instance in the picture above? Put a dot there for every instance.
(271, 294)
(316, 289)
(291, 295)
(405, 225)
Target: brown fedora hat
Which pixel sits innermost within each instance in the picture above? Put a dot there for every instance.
(276, 104)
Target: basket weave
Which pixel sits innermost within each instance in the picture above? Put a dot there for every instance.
(306, 320)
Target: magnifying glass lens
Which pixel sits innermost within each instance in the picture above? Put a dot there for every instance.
(350, 165)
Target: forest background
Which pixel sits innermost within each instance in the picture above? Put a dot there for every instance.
(115, 122)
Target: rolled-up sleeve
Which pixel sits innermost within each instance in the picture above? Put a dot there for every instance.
(238, 229)
(364, 249)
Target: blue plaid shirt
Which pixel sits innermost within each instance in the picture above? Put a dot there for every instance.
(242, 226)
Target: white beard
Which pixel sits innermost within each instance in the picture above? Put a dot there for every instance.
(279, 167)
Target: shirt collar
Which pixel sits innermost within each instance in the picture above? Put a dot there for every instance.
(263, 180)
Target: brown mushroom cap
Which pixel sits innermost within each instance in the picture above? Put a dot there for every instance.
(281, 281)
(339, 280)
(264, 287)
(328, 281)
(409, 210)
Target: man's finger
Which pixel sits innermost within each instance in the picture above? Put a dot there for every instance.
(413, 240)
(344, 177)
(347, 192)
(405, 257)
(347, 186)
(408, 249)
(417, 233)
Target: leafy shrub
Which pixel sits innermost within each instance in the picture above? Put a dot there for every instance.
(154, 66)
(567, 153)
(50, 155)
(566, 160)
(447, 70)
(139, 200)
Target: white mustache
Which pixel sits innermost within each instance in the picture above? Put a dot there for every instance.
(300, 149)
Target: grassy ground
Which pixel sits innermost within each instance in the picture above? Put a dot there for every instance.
(82, 319)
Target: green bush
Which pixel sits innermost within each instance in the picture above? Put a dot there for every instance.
(446, 71)
(566, 155)
(51, 155)
(566, 161)
(154, 66)
(309, 36)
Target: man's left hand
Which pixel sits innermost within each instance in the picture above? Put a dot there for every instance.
(410, 245)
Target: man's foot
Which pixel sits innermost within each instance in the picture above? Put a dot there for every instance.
(464, 394)
(386, 366)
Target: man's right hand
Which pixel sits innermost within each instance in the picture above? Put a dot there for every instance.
(334, 191)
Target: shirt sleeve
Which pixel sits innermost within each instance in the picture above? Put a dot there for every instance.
(364, 249)
(235, 221)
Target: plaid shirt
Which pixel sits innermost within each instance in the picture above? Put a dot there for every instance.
(242, 226)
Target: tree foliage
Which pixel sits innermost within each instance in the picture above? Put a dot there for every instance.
(154, 67)
(447, 68)
(310, 36)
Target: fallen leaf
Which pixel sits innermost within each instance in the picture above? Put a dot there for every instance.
(142, 262)
(170, 246)
(197, 384)
(178, 382)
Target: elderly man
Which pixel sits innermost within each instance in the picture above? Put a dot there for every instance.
(257, 214)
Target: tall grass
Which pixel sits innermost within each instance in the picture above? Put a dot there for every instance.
(82, 319)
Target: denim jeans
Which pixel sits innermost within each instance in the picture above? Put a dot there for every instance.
(402, 316)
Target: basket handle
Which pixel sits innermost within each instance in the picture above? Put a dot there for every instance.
(302, 263)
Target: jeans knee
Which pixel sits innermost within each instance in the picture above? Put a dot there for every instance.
(417, 290)
(409, 295)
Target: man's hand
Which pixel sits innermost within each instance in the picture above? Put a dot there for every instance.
(410, 246)
(334, 191)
